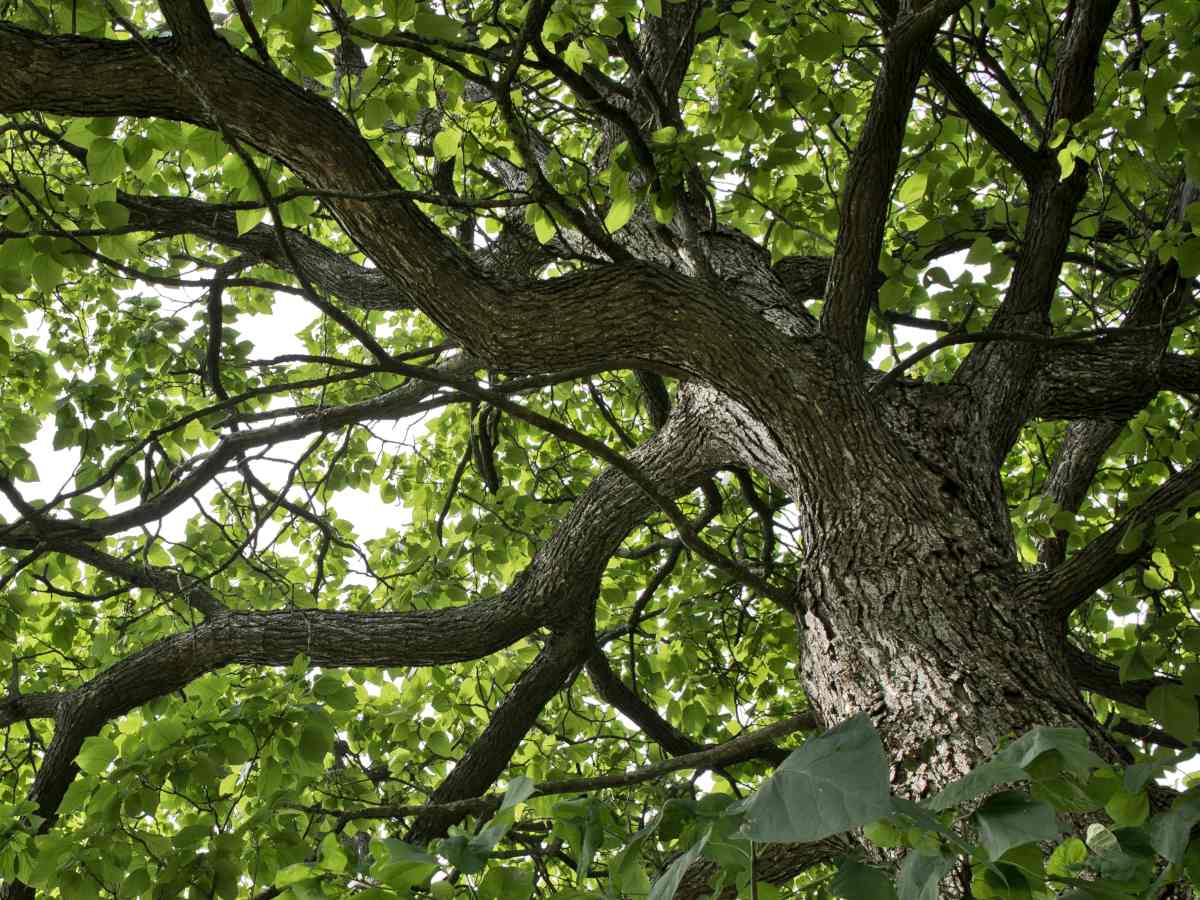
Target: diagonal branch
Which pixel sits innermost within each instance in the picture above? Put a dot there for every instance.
(190, 589)
(489, 756)
(618, 695)
(1129, 539)
(1094, 674)
(990, 126)
(601, 316)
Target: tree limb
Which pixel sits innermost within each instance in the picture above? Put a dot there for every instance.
(1105, 557)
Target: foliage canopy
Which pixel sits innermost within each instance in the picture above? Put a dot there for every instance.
(433, 435)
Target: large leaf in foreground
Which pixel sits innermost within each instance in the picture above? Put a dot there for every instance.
(832, 783)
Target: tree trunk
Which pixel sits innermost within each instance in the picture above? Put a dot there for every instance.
(927, 637)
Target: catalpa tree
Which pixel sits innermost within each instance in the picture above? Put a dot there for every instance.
(646, 389)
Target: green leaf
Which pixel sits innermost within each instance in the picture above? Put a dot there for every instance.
(1012, 763)
(518, 790)
(1139, 775)
(164, 733)
(96, 754)
(315, 742)
(112, 214)
(401, 866)
(375, 113)
(1134, 666)
(626, 871)
(654, 7)
(439, 743)
(506, 883)
(855, 881)
(1011, 818)
(913, 188)
(920, 876)
(446, 143)
(543, 224)
(439, 28)
(1071, 744)
(575, 56)
(248, 218)
(333, 857)
(47, 273)
(820, 44)
(296, 16)
(981, 252)
(1188, 257)
(619, 213)
(1171, 831)
(832, 783)
(883, 834)
(105, 159)
(668, 883)
(1175, 706)
(1128, 809)
(293, 874)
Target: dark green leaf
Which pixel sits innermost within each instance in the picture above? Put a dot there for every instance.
(1011, 818)
(668, 883)
(920, 876)
(855, 881)
(832, 783)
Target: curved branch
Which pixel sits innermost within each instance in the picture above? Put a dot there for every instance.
(403, 401)
(617, 694)
(327, 638)
(1079, 455)
(601, 316)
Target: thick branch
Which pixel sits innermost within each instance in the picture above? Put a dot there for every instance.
(1116, 377)
(601, 317)
(1079, 455)
(1110, 379)
(489, 756)
(617, 694)
(21, 707)
(1001, 372)
(1107, 556)
(868, 192)
(326, 638)
(989, 125)
(1094, 674)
